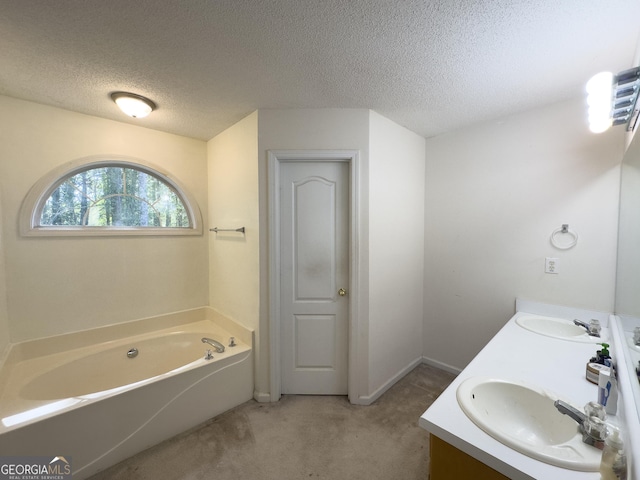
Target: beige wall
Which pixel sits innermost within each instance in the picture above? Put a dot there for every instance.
(494, 194)
(58, 285)
(4, 315)
(233, 202)
(234, 258)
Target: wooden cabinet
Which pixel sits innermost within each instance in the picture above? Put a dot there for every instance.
(449, 463)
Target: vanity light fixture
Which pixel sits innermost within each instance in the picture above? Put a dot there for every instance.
(612, 99)
(134, 105)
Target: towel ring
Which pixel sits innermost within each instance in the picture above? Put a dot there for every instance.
(564, 230)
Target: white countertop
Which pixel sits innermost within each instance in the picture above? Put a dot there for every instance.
(519, 355)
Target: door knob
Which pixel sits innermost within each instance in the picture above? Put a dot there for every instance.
(342, 292)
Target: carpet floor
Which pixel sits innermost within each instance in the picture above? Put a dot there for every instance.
(302, 437)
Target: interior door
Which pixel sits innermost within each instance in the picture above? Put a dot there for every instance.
(314, 246)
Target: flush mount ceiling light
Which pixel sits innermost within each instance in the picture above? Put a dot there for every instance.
(612, 100)
(135, 106)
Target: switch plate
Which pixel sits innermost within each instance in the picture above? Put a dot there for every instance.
(551, 265)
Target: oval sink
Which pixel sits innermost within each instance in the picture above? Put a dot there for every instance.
(557, 328)
(524, 418)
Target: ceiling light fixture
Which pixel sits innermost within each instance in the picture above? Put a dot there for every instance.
(612, 100)
(135, 106)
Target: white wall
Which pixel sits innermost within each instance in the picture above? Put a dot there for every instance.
(494, 194)
(234, 259)
(396, 249)
(58, 285)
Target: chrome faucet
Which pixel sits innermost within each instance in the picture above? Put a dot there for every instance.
(574, 413)
(593, 428)
(593, 327)
(215, 344)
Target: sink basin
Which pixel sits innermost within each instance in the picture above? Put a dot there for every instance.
(557, 328)
(524, 418)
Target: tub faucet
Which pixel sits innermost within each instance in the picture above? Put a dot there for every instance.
(593, 328)
(593, 429)
(215, 344)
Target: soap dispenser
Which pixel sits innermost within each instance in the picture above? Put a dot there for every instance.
(613, 465)
(600, 362)
(602, 356)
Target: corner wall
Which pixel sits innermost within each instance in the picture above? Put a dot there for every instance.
(396, 251)
(234, 258)
(60, 285)
(494, 194)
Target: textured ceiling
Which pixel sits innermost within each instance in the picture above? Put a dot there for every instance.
(430, 65)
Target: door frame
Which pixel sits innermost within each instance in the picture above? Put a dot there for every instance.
(275, 159)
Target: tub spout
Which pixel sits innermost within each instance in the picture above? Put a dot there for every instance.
(215, 344)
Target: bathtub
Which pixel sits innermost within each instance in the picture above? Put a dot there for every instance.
(82, 396)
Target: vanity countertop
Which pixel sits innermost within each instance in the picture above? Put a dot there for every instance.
(519, 355)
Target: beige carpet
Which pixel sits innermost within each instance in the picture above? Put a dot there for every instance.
(302, 437)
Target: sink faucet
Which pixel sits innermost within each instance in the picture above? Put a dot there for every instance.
(215, 344)
(593, 429)
(574, 413)
(593, 328)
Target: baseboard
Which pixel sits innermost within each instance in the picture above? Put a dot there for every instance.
(369, 399)
(261, 397)
(441, 365)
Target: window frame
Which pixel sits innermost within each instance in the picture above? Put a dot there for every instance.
(34, 202)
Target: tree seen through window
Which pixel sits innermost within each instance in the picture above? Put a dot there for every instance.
(114, 196)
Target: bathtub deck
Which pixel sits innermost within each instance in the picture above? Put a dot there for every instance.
(100, 429)
(30, 363)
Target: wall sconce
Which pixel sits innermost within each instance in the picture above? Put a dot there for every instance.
(612, 100)
(135, 106)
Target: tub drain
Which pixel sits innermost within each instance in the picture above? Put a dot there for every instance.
(132, 353)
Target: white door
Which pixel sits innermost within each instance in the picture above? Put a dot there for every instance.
(314, 246)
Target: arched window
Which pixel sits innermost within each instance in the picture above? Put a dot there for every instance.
(109, 197)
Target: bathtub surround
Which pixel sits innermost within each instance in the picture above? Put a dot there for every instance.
(302, 437)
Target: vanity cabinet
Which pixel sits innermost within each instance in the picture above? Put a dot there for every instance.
(449, 463)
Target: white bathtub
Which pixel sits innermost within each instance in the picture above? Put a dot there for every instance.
(81, 396)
